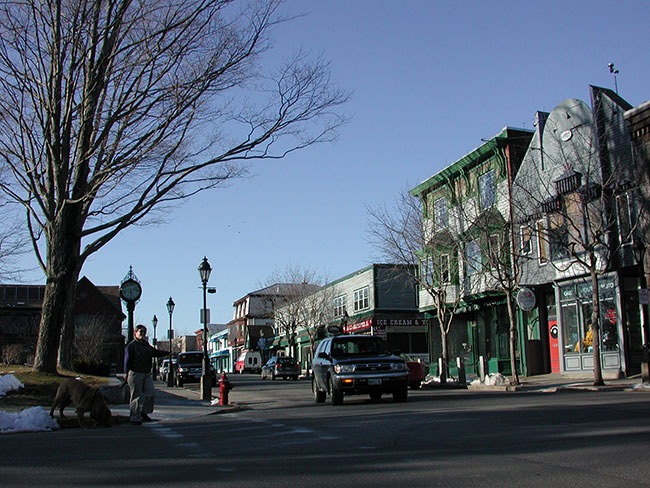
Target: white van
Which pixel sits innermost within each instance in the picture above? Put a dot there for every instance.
(249, 362)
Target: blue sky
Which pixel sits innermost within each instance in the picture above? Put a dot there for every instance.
(430, 79)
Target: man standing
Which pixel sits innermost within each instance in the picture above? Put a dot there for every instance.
(137, 366)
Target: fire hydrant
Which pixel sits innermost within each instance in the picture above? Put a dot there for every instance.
(224, 387)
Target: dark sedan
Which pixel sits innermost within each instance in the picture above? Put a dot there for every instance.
(280, 366)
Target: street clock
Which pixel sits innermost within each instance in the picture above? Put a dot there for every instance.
(130, 290)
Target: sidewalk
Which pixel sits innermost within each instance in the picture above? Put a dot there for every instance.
(554, 382)
(175, 403)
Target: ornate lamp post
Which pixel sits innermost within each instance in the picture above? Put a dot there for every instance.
(154, 322)
(206, 380)
(170, 373)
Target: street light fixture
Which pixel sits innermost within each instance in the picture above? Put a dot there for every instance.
(206, 380)
(154, 322)
(170, 373)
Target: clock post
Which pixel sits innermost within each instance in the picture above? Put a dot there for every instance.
(130, 292)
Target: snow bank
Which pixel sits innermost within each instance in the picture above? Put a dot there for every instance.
(493, 379)
(33, 419)
(9, 382)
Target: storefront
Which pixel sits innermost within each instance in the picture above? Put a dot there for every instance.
(575, 335)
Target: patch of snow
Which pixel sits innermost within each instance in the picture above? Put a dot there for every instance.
(9, 382)
(33, 419)
(493, 379)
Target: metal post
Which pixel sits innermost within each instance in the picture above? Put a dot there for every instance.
(170, 373)
(206, 380)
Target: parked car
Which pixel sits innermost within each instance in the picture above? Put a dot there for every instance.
(280, 366)
(249, 362)
(357, 365)
(163, 370)
(189, 367)
(416, 371)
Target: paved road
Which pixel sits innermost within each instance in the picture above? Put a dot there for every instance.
(282, 438)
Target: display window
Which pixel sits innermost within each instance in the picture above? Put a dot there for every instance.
(576, 308)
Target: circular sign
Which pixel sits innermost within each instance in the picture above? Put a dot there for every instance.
(130, 290)
(526, 299)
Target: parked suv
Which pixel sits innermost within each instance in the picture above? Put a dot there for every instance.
(280, 366)
(357, 365)
(189, 366)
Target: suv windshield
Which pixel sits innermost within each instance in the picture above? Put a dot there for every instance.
(358, 346)
(190, 358)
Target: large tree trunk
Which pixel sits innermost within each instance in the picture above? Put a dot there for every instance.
(62, 273)
(514, 379)
(67, 338)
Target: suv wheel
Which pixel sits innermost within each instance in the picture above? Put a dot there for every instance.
(401, 394)
(319, 396)
(336, 396)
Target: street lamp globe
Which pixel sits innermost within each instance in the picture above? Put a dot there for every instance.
(205, 270)
(170, 305)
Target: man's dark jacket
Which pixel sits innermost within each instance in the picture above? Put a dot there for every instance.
(138, 354)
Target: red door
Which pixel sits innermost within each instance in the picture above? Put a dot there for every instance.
(554, 346)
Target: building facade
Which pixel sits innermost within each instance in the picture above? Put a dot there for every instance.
(577, 205)
(465, 262)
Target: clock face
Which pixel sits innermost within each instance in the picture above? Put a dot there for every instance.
(130, 290)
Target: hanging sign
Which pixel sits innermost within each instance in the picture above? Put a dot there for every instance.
(526, 299)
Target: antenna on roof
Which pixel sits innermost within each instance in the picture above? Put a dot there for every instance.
(614, 71)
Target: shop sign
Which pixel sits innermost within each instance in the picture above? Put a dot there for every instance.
(401, 322)
(379, 331)
(366, 324)
(526, 299)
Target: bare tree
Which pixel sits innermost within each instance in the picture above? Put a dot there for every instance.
(410, 235)
(113, 110)
(13, 243)
(91, 336)
(290, 309)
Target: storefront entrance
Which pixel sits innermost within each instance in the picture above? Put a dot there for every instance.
(576, 307)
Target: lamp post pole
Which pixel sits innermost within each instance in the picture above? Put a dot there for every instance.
(170, 373)
(154, 322)
(206, 380)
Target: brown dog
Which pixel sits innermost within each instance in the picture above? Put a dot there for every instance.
(85, 398)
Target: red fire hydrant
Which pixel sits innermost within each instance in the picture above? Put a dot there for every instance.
(224, 387)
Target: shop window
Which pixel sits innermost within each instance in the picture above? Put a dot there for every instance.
(473, 257)
(542, 242)
(361, 299)
(558, 237)
(340, 303)
(440, 213)
(524, 231)
(486, 189)
(494, 250)
(427, 269)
